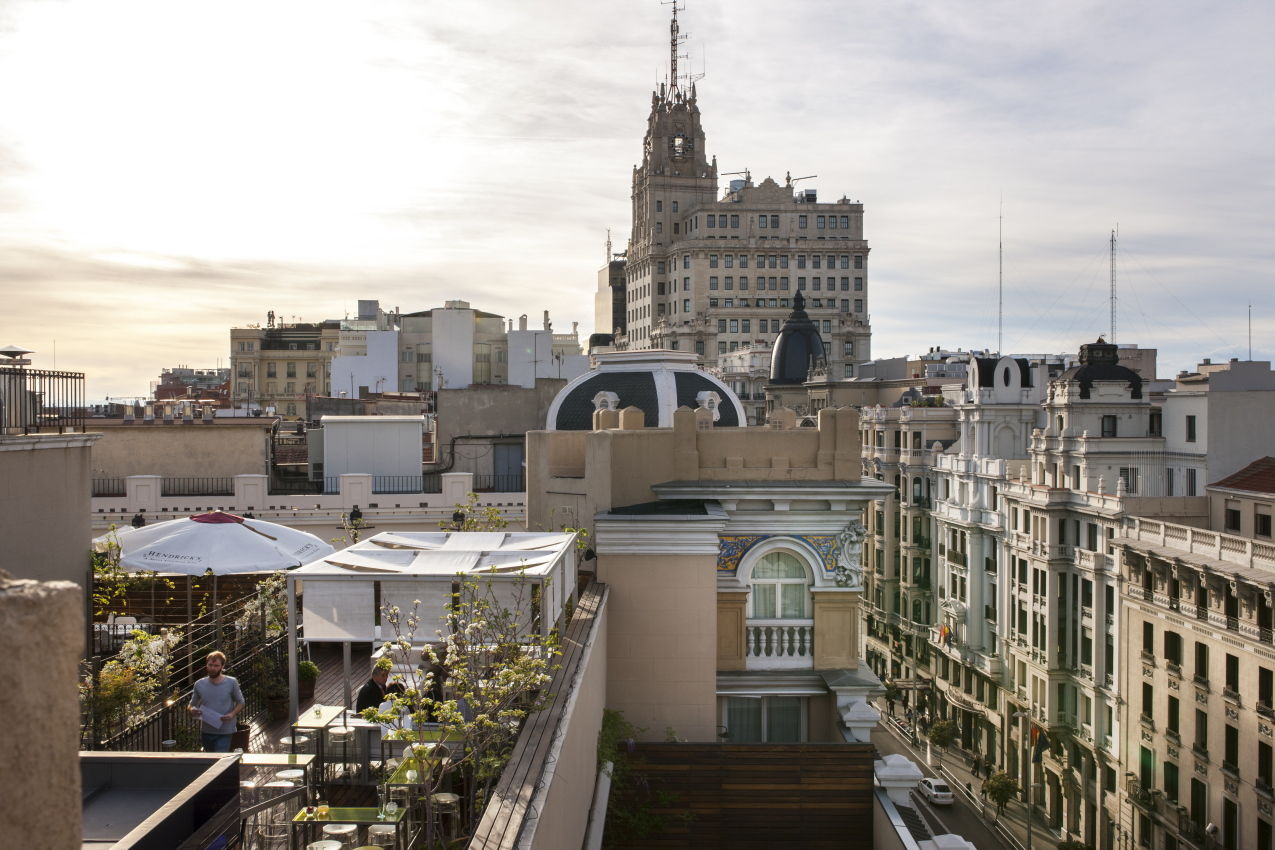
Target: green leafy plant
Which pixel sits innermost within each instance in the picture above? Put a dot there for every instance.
(635, 809)
(307, 671)
(942, 734)
(112, 584)
(486, 518)
(132, 681)
(1001, 788)
(1072, 844)
(266, 612)
(475, 688)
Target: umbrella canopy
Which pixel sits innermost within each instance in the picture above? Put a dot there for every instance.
(218, 542)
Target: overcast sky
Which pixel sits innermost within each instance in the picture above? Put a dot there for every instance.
(171, 169)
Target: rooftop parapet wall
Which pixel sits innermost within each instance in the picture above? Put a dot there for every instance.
(577, 474)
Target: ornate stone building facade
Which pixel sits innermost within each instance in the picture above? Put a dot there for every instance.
(709, 274)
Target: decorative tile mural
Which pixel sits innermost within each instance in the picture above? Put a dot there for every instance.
(732, 548)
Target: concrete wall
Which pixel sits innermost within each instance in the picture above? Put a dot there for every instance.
(219, 450)
(43, 624)
(377, 370)
(662, 658)
(44, 505)
(453, 346)
(489, 410)
(565, 816)
(568, 473)
(374, 445)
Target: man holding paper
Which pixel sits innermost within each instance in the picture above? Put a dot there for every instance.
(217, 701)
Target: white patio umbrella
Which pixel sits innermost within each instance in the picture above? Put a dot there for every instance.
(217, 542)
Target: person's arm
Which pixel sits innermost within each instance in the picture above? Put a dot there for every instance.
(195, 700)
(237, 695)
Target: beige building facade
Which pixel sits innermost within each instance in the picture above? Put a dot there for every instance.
(278, 367)
(1199, 685)
(734, 563)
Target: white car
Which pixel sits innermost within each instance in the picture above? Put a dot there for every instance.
(935, 791)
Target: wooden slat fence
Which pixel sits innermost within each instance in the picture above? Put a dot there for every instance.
(809, 796)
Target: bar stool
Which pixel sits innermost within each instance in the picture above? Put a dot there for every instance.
(294, 774)
(445, 803)
(381, 835)
(341, 835)
(295, 743)
(342, 735)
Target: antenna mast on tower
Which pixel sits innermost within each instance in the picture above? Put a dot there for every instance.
(608, 259)
(1000, 279)
(1113, 285)
(675, 38)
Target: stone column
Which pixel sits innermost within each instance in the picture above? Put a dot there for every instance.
(43, 624)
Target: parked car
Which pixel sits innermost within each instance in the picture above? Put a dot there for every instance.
(935, 791)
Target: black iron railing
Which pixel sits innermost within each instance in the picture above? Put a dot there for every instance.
(197, 487)
(506, 483)
(109, 487)
(36, 401)
(257, 650)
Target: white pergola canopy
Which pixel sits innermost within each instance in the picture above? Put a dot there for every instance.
(339, 591)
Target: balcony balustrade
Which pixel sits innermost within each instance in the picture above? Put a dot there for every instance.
(779, 644)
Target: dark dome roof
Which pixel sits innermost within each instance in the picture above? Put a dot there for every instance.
(1100, 361)
(987, 371)
(655, 382)
(798, 348)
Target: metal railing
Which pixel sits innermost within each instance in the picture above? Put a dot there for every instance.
(109, 487)
(238, 628)
(36, 401)
(504, 483)
(197, 487)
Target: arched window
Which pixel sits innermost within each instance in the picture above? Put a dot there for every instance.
(779, 588)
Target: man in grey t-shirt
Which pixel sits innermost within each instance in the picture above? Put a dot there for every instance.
(217, 701)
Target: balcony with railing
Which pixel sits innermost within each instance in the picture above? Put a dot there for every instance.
(779, 644)
(37, 401)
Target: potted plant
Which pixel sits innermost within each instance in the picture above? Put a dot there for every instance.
(275, 688)
(307, 675)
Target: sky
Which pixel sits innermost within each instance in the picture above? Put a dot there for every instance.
(171, 170)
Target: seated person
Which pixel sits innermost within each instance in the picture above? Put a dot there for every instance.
(376, 690)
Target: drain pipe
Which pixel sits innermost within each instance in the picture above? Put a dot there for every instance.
(598, 811)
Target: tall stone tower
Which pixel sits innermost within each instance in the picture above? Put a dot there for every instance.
(714, 275)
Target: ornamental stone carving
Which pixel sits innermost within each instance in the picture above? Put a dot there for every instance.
(849, 569)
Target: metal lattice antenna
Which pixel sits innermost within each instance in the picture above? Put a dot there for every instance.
(608, 245)
(1113, 284)
(674, 39)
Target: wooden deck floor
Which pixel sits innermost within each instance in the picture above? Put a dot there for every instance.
(329, 690)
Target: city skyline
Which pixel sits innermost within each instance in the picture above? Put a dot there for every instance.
(165, 175)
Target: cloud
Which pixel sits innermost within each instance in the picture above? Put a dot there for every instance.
(171, 173)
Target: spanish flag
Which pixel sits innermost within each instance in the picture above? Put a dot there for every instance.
(1040, 743)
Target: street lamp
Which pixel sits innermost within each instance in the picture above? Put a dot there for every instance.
(1024, 716)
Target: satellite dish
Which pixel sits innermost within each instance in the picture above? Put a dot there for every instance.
(1211, 829)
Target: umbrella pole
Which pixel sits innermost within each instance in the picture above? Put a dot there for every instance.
(217, 609)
